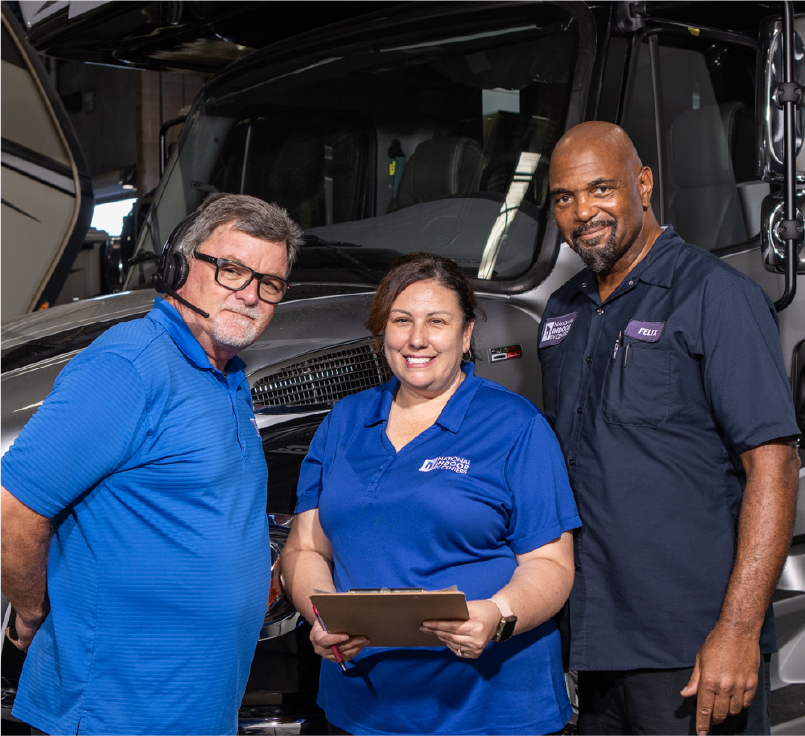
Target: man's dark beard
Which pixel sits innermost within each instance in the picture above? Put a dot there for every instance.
(598, 258)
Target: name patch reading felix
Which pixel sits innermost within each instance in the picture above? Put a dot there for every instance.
(645, 331)
(556, 329)
(456, 464)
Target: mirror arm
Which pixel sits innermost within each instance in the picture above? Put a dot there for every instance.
(791, 228)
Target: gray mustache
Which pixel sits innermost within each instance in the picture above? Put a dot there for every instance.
(250, 313)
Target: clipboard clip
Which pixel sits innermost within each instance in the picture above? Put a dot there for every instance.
(386, 590)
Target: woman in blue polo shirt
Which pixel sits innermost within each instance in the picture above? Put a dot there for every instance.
(438, 478)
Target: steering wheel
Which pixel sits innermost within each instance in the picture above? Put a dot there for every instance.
(509, 158)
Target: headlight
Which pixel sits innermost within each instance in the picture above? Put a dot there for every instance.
(281, 616)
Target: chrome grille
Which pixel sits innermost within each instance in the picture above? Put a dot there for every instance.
(321, 378)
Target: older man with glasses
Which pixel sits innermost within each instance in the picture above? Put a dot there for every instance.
(134, 536)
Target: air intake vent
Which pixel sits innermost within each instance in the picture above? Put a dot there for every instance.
(321, 378)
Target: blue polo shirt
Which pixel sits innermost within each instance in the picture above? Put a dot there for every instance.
(453, 507)
(149, 463)
(652, 432)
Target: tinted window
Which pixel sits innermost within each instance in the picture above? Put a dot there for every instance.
(705, 97)
(436, 140)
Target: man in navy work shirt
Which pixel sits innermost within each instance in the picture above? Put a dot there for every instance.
(134, 534)
(664, 382)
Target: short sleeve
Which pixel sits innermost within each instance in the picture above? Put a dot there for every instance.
(742, 366)
(92, 421)
(310, 476)
(544, 506)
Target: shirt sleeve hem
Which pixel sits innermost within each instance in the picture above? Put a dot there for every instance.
(35, 501)
(306, 504)
(535, 541)
(772, 433)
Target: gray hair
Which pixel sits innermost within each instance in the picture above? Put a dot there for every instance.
(249, 215)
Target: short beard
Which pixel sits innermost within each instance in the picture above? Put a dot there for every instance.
(243, 337)
(598, 258)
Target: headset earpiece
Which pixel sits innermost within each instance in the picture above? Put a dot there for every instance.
(173, 268)
(176, 270)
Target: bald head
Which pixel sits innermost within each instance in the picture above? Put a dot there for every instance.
(605, 138)
(601, 195)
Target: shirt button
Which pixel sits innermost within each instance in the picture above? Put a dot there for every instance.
(374, 480)
(631, 283)
(589, 358)
(600, 310)
(571, 461)
(584, 284)
(579, 410)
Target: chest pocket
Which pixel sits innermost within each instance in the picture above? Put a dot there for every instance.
(637, 388)
(551, 361)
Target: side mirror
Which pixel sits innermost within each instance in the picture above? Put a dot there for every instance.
(771, 164)
(770, 107)
(772, 246)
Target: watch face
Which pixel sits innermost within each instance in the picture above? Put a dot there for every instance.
(505, 628)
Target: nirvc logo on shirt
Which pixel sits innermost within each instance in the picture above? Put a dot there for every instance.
(456, 464)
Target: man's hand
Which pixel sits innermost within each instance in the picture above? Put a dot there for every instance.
(25, 543)
(725, 677)
(21, 633)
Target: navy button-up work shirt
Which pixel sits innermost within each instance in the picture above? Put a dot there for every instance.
(653, 396)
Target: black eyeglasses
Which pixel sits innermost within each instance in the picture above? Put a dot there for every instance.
(235, 276)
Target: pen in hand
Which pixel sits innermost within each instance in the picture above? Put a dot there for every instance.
(335, 649)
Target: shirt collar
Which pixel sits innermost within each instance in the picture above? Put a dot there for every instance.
(165, 314)
(454, 411)
(657, 268)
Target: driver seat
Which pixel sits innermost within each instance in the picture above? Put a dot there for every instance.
(438, 168)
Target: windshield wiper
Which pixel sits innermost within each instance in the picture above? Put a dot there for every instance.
(338, 248)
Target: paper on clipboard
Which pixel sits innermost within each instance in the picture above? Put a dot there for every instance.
(390, 617)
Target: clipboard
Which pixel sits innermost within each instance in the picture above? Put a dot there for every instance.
(390, 617)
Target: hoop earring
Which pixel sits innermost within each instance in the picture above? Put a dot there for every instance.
(466, 357)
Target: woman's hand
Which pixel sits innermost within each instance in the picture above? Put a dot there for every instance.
(323, 643)
(467, 638)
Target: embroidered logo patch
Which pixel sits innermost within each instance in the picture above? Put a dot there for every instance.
(456, 464)
(556, 329)
(645, 331)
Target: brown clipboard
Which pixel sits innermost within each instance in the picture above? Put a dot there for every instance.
(390, 618)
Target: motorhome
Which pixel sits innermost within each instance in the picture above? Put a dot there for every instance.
(430, 127)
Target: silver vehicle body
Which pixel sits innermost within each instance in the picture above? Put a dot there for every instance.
(317, 349)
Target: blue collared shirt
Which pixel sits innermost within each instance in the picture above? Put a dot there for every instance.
(653, 396)
(150, 464)
(453, 507)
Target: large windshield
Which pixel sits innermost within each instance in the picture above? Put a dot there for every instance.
(434, 141)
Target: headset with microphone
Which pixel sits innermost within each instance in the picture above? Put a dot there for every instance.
(172, 268)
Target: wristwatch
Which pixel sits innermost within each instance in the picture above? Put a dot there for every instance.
(505, 628)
